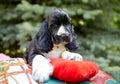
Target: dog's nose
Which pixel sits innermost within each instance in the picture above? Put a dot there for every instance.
(64, 36)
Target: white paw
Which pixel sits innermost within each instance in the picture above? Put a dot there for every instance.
(72, 56)
(42, 69)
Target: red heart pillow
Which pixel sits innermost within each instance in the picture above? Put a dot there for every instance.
(73, 71)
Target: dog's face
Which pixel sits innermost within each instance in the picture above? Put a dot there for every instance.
(60, 27)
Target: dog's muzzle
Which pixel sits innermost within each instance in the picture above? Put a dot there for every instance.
(64, 37)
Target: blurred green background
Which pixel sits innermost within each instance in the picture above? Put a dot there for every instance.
(96, 22)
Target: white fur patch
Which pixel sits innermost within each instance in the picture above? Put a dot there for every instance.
(72, 56)
(56, 51)
(42, 69)
(61, 31)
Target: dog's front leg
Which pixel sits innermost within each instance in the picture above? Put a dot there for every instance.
(41, 68)
(71, 56)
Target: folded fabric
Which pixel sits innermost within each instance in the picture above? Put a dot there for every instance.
(3, 57)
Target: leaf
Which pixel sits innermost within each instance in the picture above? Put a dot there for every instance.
(87, 16)
(80, 11)
(38, 9)
(24, 6)
(85, 1)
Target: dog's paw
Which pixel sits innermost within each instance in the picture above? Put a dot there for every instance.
(72, 56)
(42, 69)
(41, 74)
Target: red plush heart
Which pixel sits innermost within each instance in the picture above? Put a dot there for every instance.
(73, 71)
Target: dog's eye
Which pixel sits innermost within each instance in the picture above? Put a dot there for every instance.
(53, 25)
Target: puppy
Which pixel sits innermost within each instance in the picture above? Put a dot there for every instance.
(54, 38)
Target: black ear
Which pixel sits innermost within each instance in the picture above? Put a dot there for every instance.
(73, 45)
(42, 40)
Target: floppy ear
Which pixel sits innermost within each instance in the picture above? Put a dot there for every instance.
(73, 45)
(42, 40)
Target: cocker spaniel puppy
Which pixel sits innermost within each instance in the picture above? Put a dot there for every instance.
(54, 38)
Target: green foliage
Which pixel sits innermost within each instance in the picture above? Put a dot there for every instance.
(97, 23)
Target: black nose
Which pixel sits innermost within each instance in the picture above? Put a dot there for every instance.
(64, 37)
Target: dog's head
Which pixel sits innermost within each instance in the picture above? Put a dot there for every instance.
(60, 27)
(57, 28)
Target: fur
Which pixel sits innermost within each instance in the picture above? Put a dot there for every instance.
(55, 36)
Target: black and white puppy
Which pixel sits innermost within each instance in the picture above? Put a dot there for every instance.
(54, 38)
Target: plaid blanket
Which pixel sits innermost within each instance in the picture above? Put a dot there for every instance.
(15, 71)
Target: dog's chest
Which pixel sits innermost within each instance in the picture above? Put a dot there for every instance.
(56, 51)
